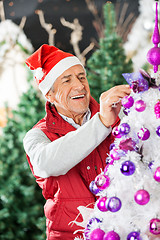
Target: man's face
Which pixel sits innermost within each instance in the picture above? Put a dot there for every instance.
(71, 93)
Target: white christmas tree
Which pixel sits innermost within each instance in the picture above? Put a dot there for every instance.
(128, 190)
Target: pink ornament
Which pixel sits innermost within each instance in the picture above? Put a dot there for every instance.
(111, 236)
(154, 226)
(157, 109)
(102, 181)
(143, 134)
(140, 106)
(88, 228)
(106, 168)
(115, 154)
(116, 133)
(97, 234)
(153, 55)
(157, 174)
(127, 101)
(102, 204)
(142, 197)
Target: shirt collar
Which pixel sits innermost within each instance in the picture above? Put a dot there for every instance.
(86, 117)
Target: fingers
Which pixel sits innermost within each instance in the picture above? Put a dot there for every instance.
(114, 95)
(114, 104)
(110, 103)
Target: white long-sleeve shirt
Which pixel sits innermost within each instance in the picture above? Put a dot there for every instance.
(58, 157)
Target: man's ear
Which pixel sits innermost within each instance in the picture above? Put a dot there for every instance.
(49, 96)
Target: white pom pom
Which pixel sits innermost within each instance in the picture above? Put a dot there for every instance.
(38, 73)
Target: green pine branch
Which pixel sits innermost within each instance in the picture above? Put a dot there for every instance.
(106, 65)
(21, 201)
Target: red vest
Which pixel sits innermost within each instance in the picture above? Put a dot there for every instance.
(66, 192)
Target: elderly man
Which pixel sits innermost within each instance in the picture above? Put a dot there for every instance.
(67, 149)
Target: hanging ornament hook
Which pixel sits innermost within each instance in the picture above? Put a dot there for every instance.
(153, 55)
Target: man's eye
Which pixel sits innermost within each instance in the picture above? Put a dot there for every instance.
(66, 81)
(82, 78)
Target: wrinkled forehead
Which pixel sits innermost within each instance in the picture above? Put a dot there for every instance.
(74, 70)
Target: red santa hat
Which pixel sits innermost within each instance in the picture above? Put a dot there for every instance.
(48, 63)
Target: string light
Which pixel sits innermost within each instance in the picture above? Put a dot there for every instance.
(11, 4)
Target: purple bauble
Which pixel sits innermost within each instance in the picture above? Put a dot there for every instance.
(93, 221)
(127, 168)
(127, 101)
(140, 106)
(158, 131)
(93, 188)
(151, 164)
(102, 181)
(124, 129)
(142, 197)
(114, 204)
(154, 226)
(102, 204)
(97, 234)
(115, 154)
(111, 146)
(116, 133)
(134, 236)
(111, 236)
(157, 174)
(143, 134)
(126, 111)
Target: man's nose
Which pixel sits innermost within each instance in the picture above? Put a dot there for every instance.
(78, 84)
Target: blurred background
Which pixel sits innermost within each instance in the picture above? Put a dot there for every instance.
(53, 10)
(109, 37)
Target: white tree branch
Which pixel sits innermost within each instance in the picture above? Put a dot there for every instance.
(47, 26)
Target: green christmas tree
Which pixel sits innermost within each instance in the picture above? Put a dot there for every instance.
(106, 65)
(21, 201)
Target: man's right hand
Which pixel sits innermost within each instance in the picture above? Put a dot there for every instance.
(110, 103)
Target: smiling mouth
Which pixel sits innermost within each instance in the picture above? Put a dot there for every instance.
(78, 96)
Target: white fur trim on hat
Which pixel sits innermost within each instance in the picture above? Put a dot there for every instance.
(56, 71)
(38, 73)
